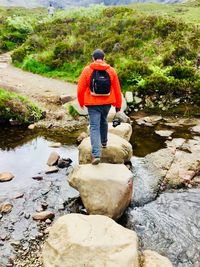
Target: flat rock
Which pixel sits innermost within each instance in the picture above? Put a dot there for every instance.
(6, 176)
(43, 215)
(118, 150)
(51, 169)
(53, 159)
(94, 240)
(6, 207)
(164, 133)
(105, 189)
(55, 145)
(153, 259)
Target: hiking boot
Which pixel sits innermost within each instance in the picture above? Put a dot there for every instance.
(104, 145)
(95, 161)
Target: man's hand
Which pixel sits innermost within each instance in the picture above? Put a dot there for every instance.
(117, 109)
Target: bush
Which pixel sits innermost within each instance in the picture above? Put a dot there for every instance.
(19, 108)
(19, 54)
(183, 72)
(20, 24)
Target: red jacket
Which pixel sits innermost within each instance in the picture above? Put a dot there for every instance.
(84, 96)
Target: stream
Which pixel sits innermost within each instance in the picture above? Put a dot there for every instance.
(167, 222)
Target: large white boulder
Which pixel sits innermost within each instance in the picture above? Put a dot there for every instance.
(105, 189)
(123, 130)
(77, 240)
(153, 259)
(118, 150)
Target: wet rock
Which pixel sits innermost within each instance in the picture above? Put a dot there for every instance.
(118, 150)
(51, 169)
(31, 127)
(18, 195)
(55, 145)
(53, 159)
(153, 259)
(6, 207)
(106, 242)
(64, 163)
(6, 176)
(170, 225)
(44, 215)
(37, 178)
(105, 189)
(164, 133)
(148, 173)
(149, 120)
(82, 136)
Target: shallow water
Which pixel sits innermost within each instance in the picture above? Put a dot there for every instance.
(25, 153)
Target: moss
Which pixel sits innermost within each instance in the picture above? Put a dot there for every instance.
(18, 108)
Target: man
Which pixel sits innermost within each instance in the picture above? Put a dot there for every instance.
(51, 11)
(98, 89)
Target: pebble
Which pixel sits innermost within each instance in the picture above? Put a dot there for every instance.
(43, 216)
(6, 207)
(53, 159)
(48, 221)
(6, 176)
(38, 178)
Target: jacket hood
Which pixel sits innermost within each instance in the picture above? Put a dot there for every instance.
(99, 65)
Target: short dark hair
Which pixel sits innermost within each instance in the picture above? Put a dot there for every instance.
(98, 54)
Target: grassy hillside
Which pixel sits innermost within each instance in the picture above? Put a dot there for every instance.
(155, 55)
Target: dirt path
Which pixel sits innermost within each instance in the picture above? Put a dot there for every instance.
(45, 92)
(31, 85)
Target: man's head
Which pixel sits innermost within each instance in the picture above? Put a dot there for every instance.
(98, 54)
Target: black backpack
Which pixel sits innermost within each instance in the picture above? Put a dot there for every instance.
(100, 83)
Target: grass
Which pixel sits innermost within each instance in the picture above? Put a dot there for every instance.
(18, 108)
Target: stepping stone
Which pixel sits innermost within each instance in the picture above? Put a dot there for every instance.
(105, 189)
(164, 133)
(118, 150)
(94, 240)
(55, 145)
(6, 207)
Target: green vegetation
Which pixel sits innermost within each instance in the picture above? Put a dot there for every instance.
(17, 108)
(153, 48)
